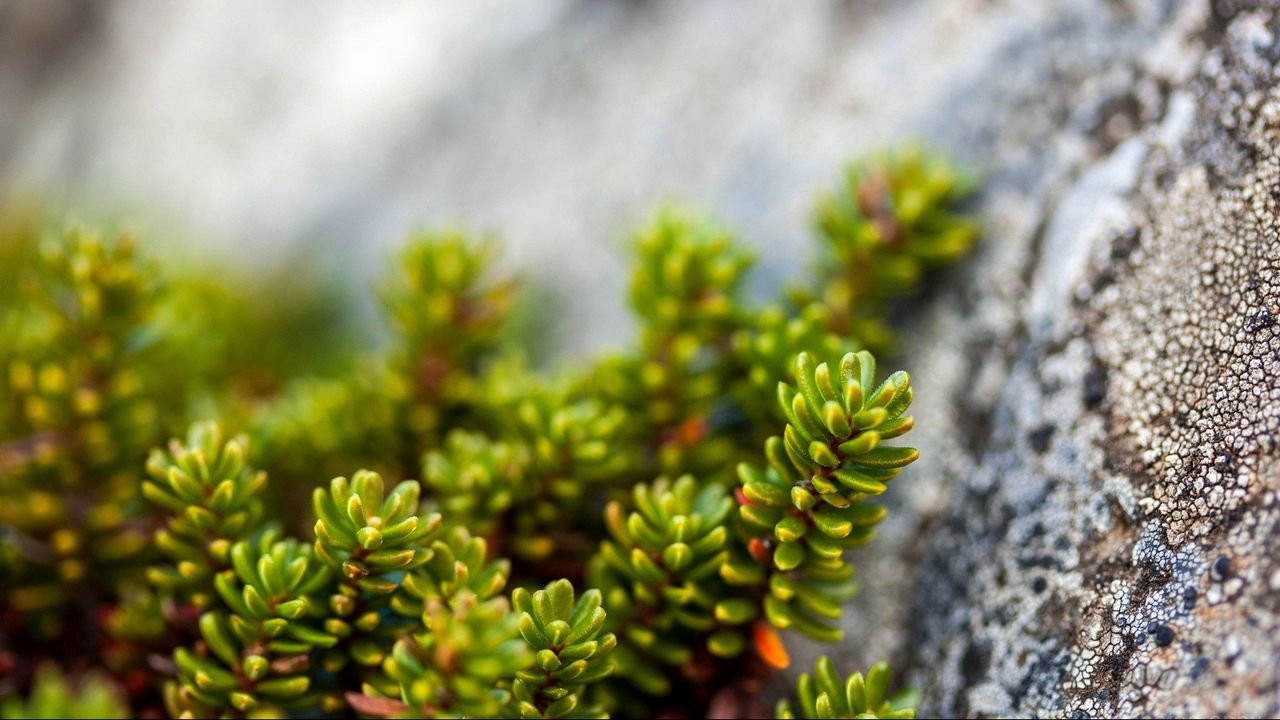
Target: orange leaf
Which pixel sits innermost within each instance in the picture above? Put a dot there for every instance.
(769, 645)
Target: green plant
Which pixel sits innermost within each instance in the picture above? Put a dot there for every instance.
(52, 696)
(77, 412)
(898, 214)
(686, 292)
(570, 652)
(825, 695)
(210, 499)
(627, 536)
(809, 505)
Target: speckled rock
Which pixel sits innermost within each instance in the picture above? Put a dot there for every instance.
(1106, 544)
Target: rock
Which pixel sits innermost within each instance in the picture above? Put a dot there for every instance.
(1092, 528)
(1123, 568)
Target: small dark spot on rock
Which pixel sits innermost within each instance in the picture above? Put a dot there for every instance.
(1161, 633)
(1188, 598)
(1259, 320)
(1034, 561)
(1123, 244)
(1226, 464)
(1151, 576)
(1104, 278)
(973, 665)
(1095, 386)
(1038, 585)
(1118, 117)
(1222, 12)
(1221, 568)
(1252, 282)
(1115, 668)
(1039, 438)
(977, 428)
(1272, 51)
(1198, 667)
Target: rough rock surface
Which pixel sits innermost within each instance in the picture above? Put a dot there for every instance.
(1107, 544)
(1092, 530)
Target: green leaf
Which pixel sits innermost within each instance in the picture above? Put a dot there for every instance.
(889, 457)
(788, 556)
(726, 644)
(877, 684)
(284, 687)
(736, 611)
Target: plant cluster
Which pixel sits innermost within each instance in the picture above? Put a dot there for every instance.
(483, 538)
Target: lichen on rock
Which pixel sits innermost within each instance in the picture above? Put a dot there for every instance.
(1109, 548)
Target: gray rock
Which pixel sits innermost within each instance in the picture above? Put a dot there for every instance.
(1092, 529)
(1105, 540)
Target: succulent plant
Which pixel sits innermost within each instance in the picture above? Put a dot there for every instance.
(826, 695)
(570, 649)
(53, 695)
(198, 584)
(808, 506)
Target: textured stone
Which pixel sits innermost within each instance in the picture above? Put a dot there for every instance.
(1122, 567)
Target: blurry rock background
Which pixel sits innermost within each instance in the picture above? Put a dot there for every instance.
(1093, 528)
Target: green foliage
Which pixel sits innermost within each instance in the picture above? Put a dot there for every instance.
(687, 282)
(568, 449)
(538, 470)
(659, 576)
(466, 647)
(897, 215)
(449, 315)
(569, 652)
(686, 292)
(76, 417)
(254, 656)
(211, 501)
(825, 695)
(808, 506)
(326, 426)
(372, 543)
(53, 696)
(766, 353)
(448, 318)
(447, 311)
(239, 339)
(203, 591)
(368, 536)
(476, 481)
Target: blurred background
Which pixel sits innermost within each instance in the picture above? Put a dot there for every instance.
(315, 136)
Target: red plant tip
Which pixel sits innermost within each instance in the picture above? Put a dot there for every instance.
(769, 645)
(374, 706)
(758, 550)
(692, 431)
